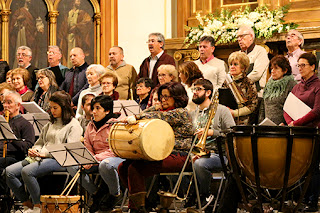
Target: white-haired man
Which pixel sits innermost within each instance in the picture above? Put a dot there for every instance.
(294, 42)
(259, 61)
(54, 61)
(126, 73)
(22, 129)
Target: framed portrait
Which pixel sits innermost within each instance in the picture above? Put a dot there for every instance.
(28, 27)
(75, 28)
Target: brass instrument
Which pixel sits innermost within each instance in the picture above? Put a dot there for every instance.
(5, 145)
(200, 148)
(237, 93)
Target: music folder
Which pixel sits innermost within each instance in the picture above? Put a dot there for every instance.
(32, 107)
(71, 154)
(6, 131)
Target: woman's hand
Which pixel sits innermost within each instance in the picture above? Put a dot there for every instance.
(33, 153)
(291, 124)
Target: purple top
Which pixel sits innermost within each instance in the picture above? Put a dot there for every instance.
(293, 60)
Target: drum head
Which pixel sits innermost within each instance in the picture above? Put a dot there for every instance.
(157, 139)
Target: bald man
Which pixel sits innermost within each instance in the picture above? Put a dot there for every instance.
(75, 79)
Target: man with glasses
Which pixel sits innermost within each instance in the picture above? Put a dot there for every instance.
(294, 42)
(126, 73)
(213, 69)
(24, 57)
(54, 61)
(259, 61)
(223, 120)
(157, 57)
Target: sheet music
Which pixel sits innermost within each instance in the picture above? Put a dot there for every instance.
(38, 120)
(295, 108)
(32, 107)
(267, 122)
(126, 107)
(6, 129)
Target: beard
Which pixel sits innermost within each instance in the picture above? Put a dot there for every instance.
(199, 99)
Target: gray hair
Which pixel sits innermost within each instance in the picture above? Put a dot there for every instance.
(55, 47)
(300, 36)
(98, 68)
(159, 36)
(171, 70)
(25, 48)
(248, 28)
(16, 96)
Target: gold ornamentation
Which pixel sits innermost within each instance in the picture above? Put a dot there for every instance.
(5, 15)
(53, 16)
(186, 55)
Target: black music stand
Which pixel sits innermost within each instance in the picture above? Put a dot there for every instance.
(38, 120)
(72, 154)
(126, 107)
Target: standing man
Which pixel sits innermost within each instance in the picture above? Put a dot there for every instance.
(54, 61)
(259, 61)
(149, 66)
(125, 72)
(22, 129)
(75, 79)
(24, 57)
(294, 42)
(212, 68)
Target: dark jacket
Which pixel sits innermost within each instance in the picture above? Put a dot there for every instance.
(33, 79)
(4, 68)
(80, 81)
(144, 67)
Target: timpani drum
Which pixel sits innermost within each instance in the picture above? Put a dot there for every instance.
(59, 203)
(149, 139)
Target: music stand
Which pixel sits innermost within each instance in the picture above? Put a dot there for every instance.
(38, 120)
(126, 107)
(72, 154)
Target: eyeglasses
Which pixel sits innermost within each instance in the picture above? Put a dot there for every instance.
(51, 52)
(165, 97)
(161, 75)
(302, 65)
(152, 41)
(41, 77)
(22, 54)
(197, 89)
(242, 36)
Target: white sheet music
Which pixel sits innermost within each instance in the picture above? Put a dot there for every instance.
(32, 107)
(126, 107)
(295, 108)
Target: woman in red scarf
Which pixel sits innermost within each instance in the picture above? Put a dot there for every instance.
(20, 77)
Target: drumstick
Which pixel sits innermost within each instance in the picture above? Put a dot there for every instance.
(74, 182)
(71, 181)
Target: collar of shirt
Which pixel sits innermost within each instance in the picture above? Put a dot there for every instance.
(207, 60)
(250, 48)
(121, 65)
(28, 66)
(295, 53)
(157, 56)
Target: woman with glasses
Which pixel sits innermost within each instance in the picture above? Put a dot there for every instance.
(189, 72)
(20, 78)
(174, 99)
(238, 65)
(308, 91)
(144, 87)
(276, 91)
(47, 86)
(109, 82)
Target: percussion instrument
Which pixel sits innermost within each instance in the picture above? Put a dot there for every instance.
(59, 203)
(150, 139)
(272, 157)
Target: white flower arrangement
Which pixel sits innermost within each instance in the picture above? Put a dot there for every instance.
(223, 26)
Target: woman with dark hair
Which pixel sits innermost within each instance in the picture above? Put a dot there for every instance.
(143, 89)
(62, 128)
(174, 99)
(96, 141)
(19, 79)
(189, 72)
(47, 86)
(276, 90)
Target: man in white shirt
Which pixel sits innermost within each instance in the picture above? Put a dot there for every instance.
(259, 61)
(294, 42)
(212, 68)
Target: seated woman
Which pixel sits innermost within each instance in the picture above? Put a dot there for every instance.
(166, 73)
(308, 91)
(47, 86)
(189, 72)
(144, 87)
(96, 141)
(62, 128)
(8, 78)
(276, 90)
(174, 99)
(238, 65)
(19, 78)
(93, 73)
(109, 82)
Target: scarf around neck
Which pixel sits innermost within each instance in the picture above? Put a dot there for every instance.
(275, 88)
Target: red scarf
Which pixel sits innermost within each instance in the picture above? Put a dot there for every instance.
(24, 90)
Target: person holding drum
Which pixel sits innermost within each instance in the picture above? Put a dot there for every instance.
(276, 90)
(223, 120)
(238, 64)
(308, 91)
(174, 99)
(96, 141)
(62, 128)
(189, 72)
